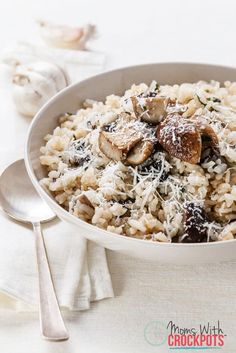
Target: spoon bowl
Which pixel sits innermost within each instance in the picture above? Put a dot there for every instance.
(19, 198)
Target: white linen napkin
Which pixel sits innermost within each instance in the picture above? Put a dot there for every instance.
(79, 267)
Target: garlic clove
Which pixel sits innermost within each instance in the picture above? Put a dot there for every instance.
(61, 36)
(34, 84)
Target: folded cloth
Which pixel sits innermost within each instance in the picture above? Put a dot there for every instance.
(79, 267)
(78, 65)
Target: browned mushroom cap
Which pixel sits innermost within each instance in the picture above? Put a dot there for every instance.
(140, 152)
(195, 220)
(150, 109)
(186, 139)
(180, 138)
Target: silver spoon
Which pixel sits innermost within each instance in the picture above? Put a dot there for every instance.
(20, 201)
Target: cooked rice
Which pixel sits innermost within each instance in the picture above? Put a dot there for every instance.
(140, 202)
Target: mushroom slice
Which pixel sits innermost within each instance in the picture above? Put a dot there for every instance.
(85, 201)
(208, 135)
(180, 138)
(150, 109)
(195, 225)
(140, 152)
(116, 145)
(210, 143)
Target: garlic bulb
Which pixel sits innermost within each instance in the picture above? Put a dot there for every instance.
(67, 37)
(34, 84)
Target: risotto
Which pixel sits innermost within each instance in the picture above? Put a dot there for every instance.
(158, 163)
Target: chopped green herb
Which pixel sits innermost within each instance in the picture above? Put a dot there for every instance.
(200, 100)
(211, 109)
(157, 87)
(216, 100)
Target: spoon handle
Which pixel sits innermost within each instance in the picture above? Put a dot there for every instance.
(51, 322)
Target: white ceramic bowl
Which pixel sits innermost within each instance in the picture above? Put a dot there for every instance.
(98, 87)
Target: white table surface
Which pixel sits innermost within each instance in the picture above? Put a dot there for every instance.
(131, 32)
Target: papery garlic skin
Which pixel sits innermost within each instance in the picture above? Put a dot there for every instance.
(66, 37)
(34, 84)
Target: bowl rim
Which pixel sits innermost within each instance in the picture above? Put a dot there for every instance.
(74, 219)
